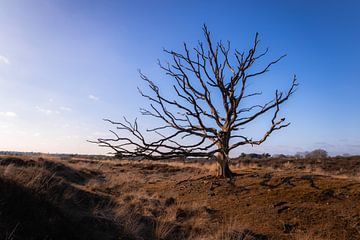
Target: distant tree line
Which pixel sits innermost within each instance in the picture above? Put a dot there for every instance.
(315, 154)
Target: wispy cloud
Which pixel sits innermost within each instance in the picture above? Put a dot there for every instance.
(65, 109)
(46, 111)
(92, 97)
(4, 60)
(8, 114)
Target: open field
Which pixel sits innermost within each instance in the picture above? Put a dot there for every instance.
(74, 198)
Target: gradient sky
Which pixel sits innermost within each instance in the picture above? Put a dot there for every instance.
(65, 65)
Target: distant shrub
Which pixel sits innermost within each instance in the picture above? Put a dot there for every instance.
(279, 156)
(317, 153)
(118, 156)
(300, 155)
(254, 156)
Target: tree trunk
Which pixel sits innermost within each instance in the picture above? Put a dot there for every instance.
(224, 170)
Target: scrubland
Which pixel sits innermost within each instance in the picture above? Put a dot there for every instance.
(78, 198)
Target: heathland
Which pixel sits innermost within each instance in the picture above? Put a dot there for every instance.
(47, 197)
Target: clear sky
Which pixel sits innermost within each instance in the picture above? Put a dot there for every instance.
(65, 65)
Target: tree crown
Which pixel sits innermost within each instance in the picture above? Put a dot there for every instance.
(193, 124)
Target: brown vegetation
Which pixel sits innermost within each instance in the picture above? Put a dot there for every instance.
(271, 199)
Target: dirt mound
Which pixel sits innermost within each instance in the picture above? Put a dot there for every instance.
(59, 169)
(17, 162)
(67, 173)
(25, 215)
(38, 201)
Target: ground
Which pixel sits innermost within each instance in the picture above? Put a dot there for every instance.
(76, 198)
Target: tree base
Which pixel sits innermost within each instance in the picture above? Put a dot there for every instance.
(224, 171)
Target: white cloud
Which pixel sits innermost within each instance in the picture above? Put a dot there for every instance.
(92, 97)
(8, 114)
(36, 134)
(66, 109)
(46, 111)
(4, 60)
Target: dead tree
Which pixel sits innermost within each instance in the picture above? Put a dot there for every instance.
(206, 111)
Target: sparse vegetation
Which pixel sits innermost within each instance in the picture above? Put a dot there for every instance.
(276, 198)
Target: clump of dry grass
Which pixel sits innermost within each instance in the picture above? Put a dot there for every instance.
(164, 227)
(130, 219)
(230, 229)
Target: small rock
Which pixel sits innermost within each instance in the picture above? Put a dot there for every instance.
(279, 204)
(283, 209)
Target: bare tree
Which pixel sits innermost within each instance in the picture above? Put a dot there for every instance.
(206, 113)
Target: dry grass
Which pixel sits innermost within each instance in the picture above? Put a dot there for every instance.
(107, 199)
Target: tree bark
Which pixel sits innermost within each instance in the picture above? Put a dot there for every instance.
(224, 169)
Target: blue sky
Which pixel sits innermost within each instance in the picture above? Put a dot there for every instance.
(65, 65)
